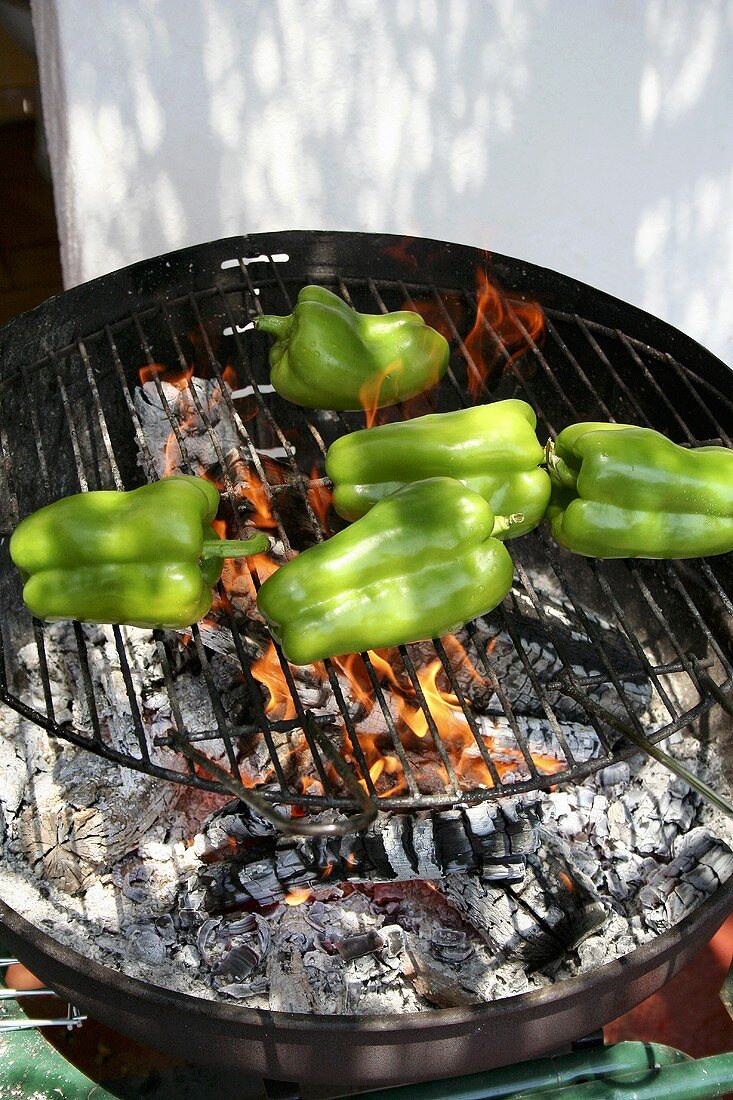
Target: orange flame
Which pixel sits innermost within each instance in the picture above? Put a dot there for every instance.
(443, 706)
(230, 376)
(459, 658)
(298, 895)
(172, 450)
(445, 316)
(262, 565)
(370, 392)
(383, 668)
(516, 323)
(319, 498)
(256, 494)
(353, 669)
(268, 671)
(176, 376)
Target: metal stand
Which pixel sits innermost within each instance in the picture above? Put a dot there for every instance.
(72, 1019)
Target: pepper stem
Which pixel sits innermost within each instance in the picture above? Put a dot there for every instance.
(505, 523)
(558, 469)
(274, 323)
(235, 548)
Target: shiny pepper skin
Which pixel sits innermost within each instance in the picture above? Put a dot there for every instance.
(493, 449)
(328, 356)
(421, 563)
(625, 492)
(145, 558)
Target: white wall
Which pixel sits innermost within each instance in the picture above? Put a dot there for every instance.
(592, 136)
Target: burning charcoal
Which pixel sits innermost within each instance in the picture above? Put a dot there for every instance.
(700, 865)
(206, 437)
(673, 813)
(74, 822)
(615, 775)
(541, 741)
(450, 945)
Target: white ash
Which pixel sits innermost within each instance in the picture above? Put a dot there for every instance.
(129, 915)
(103, 859)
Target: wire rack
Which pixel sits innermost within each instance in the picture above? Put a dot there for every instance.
(68, 422)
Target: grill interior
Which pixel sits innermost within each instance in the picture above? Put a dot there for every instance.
(68, 423)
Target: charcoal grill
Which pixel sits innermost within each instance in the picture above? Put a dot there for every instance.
(68, 422)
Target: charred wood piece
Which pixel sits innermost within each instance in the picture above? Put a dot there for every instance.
(700, 865)
(234, 948)
(435, 985)
(202, 418)
(450, 945)
(538, 921)
(492, 840)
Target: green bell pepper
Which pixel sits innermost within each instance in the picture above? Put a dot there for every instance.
(328, 356)
(492, 449)
(625, 492)
(421, 563)
(144, 558)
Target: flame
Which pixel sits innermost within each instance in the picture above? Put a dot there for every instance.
(172, 450)
(319, 498)
(370, 391)
(355, 672)
(309, 784)
(176, 376)
(268, 671)
(443, 706)
(298, 895)
(445, 316)
(230, 376)
(516, 323)
(383, 668)
(262, 565)
(375, 771)
(257, 496)
(306, 783)
(459, 658)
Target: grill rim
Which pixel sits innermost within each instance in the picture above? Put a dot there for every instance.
(559, 1012)
(130, 287)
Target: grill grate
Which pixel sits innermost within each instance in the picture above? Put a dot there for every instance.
(68, 422)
